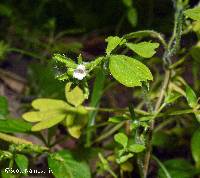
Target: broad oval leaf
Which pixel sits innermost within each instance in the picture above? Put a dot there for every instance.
(113, 42)
(195, 147)
(44, 104)
(144, 49)
(193, 13)
(22, 162)
(122, 139)
(74, 96)
(47, 123)
(191, 97)
(136, 148)
(36, 116)
(129, 71)
(64, 165)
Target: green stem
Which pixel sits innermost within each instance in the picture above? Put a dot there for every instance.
(162, 166)
(116, 110)
(11, 163)
(21, 51)
(110, 132)
(145, 33)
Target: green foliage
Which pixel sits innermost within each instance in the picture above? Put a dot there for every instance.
(14, 125)
(74, 96)
(49, 121)
(193, 13)
(66, 61)
(191, 97)
(154, 114)
(129, 71)
(132, 16)
(128, 150)
(178, 168)
(144, 49)
(113, 42)
(3, 106)
(195, 144)
(22, 162)
(122, 139)
(3, 48)
(127, 3)
(64, 165)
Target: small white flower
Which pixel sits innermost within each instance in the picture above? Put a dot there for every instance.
(80, 72)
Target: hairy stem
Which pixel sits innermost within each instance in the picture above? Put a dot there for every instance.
(171, 50)
(152, 124)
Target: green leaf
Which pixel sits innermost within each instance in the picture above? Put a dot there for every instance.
(74, 124)
(177, 168)
(43, 81)
(91, 65)
(7, 175)
(191, 97)
(172, 97)
(22, 162)
(124, 158)
(37, 116)
(14, 125)
(44, 104)
(3, 106)
(132, 16)
(136, 148)
(127, 3)
(162, 140)
(127, 166)
(116, 119)
(129, 71)
(193, 13)
(122, 139)
(62, 59)
(113, 42)
(47, 123)
(64, 165)
(195, 147)
(144, 49)
(74, 96)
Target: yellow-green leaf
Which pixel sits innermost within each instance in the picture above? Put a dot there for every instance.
(75, 131)
(193, 13)
(129, 71)
(74, 96)
(113, 42)
(47, 123)
(122, 139)
(45, 104)
(36, 116)
(144, 49)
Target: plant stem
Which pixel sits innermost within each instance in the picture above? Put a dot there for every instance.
(110, 132)
(119, 110)
(152, 124)
(162, 166)
(171, 50)
(21, 51)
(145, 33)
